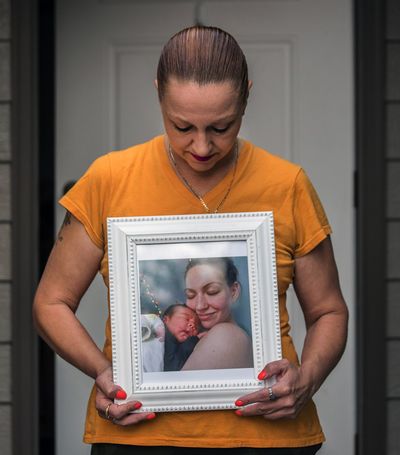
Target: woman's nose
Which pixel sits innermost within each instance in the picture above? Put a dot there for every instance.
(201, 302)
(201, 144)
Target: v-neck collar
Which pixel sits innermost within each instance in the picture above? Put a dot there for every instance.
(213, 197)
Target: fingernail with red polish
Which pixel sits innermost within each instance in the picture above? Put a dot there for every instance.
(137, 405)
(239, 403)
(262, 375)
(120, 395)
(238, 412)
(151, 416)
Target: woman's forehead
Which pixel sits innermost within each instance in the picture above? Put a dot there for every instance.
(188, 98)
(214, 271)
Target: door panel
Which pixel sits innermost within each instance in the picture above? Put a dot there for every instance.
(316, 132)
(301, 107)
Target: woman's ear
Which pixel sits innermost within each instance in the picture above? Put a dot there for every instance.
(250, 85)
(235, 291)
(156, 84)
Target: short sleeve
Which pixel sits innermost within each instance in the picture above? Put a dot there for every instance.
(311, 223)
(88, 199)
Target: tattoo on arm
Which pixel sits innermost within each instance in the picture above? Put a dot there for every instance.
(66, 222)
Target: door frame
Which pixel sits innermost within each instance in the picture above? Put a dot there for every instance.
(33, 148)
(32, 139)
(370, 201)
(25, 214)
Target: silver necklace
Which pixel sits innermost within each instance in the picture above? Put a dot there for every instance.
(193, 191)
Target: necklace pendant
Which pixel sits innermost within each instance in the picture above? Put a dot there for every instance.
(206, 208)
(191, 189)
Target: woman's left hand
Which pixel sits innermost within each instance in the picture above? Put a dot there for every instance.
(317, 288)
(289, 394)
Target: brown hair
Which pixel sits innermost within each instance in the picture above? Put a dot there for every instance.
(203, 55)
(225, 264)
(171, 310)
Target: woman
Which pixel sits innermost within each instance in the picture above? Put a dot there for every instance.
(200, 166)
(212, 288)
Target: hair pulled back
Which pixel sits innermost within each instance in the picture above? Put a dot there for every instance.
(203, 55)
(225, 264)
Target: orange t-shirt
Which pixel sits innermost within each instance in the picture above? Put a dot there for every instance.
(140, 181)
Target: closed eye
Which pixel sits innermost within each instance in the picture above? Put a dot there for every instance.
(186, 129)
(213, 288)
(220, 130)
(189, 294)
(213, 291)
(183, 130)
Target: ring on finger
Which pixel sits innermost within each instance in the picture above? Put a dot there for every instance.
(271, 395)
(107, 411)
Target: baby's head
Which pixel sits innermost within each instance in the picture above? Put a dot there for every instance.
(181, 321)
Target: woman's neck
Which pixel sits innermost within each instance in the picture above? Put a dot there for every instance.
(203, 182)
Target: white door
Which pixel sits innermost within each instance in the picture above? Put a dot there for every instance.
(301, 107)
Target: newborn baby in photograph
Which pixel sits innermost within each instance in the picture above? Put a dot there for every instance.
(167, 343)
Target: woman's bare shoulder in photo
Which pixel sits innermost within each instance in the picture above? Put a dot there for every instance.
(225, 346)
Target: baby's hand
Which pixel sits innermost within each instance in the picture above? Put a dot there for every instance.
(191, 328)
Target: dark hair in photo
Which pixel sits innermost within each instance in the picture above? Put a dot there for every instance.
(226, 264)
(171, 310)
(204, 55)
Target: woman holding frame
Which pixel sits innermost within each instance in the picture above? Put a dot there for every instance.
(199, 166)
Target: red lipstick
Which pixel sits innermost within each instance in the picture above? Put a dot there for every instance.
(201, 158)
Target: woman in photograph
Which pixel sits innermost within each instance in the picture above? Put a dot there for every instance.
(212, 287)
(199, 166)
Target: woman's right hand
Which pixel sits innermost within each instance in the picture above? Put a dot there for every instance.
(118, 414)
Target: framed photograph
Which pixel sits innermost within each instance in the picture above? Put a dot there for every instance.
(194, 308)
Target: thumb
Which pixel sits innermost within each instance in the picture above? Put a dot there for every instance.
(118, 393)
(274, 369)
(112, 391)
(105, 383)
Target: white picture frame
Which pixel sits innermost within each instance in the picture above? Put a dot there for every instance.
(248, 238)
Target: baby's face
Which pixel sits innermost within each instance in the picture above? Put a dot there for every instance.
(183, 323)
